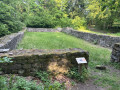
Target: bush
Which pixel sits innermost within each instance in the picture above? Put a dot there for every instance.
(41, 20)
(79, 23)
(3, 29)
(9, 21)
(14, 26)
(65, 22)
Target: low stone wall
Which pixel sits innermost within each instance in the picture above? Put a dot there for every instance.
(115, 57)
(28, 62)
(11, 41)
(102, 40)
(44, 30)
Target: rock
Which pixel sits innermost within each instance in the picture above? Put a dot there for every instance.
(4, 50)
(115, 56)
(21, 71)
(100, 67)
(1, 73)
(27, 66)
(11, 54)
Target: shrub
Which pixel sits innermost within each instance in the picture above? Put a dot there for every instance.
(74, 74)
(41, 20)
(9, 21)
(3, 29)
(65, 22)
(79, 22)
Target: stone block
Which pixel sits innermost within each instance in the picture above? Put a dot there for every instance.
(27, 66)
(115, 56)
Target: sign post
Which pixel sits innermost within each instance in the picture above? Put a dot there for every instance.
(81, 61)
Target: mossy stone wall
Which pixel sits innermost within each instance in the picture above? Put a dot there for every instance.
(28, 62)
(115, 56)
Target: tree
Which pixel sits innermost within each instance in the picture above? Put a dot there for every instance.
(103, 12)
(9, 22)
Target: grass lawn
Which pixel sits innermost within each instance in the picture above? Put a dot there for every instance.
(58, 40)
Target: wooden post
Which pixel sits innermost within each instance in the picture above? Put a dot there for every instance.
(80, 68)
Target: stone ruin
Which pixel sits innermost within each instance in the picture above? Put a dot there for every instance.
(28, 62)
(115, 57)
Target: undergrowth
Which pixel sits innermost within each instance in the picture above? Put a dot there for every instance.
(74, 74)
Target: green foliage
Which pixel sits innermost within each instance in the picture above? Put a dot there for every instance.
(18, 83)
(44, 76)
(74, 74)
(39, 13)
(9, 21)
(22, 84)
(79, 23)
(116, 65)
(3, 83)
(5, 60)
(48, 84)
(102, 13)
(3, 29)
(40, 21)
(55, 86)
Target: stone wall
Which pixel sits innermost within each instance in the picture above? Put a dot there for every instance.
(115, 57)
(102, 40)
(28, 62)
(44, 30)
(11, 41)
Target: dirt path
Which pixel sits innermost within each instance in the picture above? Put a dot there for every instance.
(91, 85)
(88, 85)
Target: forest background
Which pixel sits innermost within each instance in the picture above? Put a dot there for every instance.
(78, 14)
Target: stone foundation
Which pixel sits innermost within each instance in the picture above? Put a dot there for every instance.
(102, 40)
(44, 30)
(115, 57)
(11, 41)
(28, 62)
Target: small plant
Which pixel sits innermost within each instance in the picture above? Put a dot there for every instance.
(22, 84)
(48, 84)
(55, 86)
(44, 76)
(74, 74)
(116, 65)
(5, 60)
(72, 83)
(95, 42)
(3, 83)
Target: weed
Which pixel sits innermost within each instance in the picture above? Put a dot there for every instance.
(44, 76)
(5, 60)
(74, 74)
(48, 85)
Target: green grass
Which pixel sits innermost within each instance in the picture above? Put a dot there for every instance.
(58, 40)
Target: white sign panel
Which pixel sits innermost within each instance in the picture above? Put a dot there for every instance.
(81, 60)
